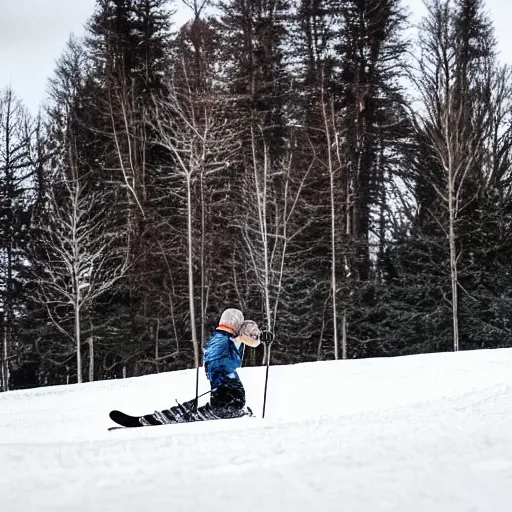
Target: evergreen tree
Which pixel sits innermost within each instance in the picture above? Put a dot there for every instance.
(128, 46)
(18, 190)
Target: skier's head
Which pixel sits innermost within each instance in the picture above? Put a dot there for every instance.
(233, 318)
(250, 328)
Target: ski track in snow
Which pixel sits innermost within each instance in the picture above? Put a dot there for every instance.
(412, 434)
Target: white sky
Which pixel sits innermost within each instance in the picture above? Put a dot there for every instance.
(33, 34)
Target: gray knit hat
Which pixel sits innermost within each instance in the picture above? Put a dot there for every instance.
(234, 318)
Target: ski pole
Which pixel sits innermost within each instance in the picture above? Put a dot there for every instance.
(266, 337)
(202, 394)
(198, 396)
(205, 393)
(186, 412)
(197, 382)
(197, 385)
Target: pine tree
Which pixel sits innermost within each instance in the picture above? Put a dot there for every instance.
(128, 47)
(18, 165)
(358, 144)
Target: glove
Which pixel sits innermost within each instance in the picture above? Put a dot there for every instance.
(266, 337)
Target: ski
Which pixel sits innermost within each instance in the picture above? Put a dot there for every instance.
(125, 420)
(177, 414)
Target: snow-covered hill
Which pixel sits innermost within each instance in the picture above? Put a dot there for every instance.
(411, 434)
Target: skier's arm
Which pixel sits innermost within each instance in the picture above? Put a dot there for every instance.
(247, 340)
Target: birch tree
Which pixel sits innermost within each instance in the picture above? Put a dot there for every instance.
(81, 255)
(453, 82)
(333, 165)
(270, 222)
(199, 143)
(195, 77)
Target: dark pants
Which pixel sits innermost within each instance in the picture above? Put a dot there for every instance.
(228, 398)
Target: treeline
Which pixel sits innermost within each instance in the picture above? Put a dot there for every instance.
(304, 161)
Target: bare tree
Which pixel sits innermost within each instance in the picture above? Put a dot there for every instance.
(269, 218)
(333, 166)
(194, 76)
(81, 253)
(199, 143)
(454, 118)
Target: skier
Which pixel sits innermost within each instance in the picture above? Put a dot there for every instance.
(223, 355)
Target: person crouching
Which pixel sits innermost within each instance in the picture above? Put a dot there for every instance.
(223, 355)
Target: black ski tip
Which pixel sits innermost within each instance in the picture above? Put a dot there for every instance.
(125, 420)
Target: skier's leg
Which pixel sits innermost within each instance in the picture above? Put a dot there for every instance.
(228, 399)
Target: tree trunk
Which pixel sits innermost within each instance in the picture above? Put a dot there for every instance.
(261, 195)
(344, 335)
(333, 267)
(78, 344)
(5, 364)
(321, 335)
(330, 167)
(91, 356)
(203, 277)
(9, 318)
(453, 262)
(348, 272)
(191, 275)
(157, 347)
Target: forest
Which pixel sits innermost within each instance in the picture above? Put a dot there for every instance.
(340, 176)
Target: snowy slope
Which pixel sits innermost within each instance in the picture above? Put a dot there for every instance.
(411, 434)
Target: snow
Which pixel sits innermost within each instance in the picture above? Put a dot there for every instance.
(417, 433)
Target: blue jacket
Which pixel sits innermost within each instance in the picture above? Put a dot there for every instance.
(222, 358)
